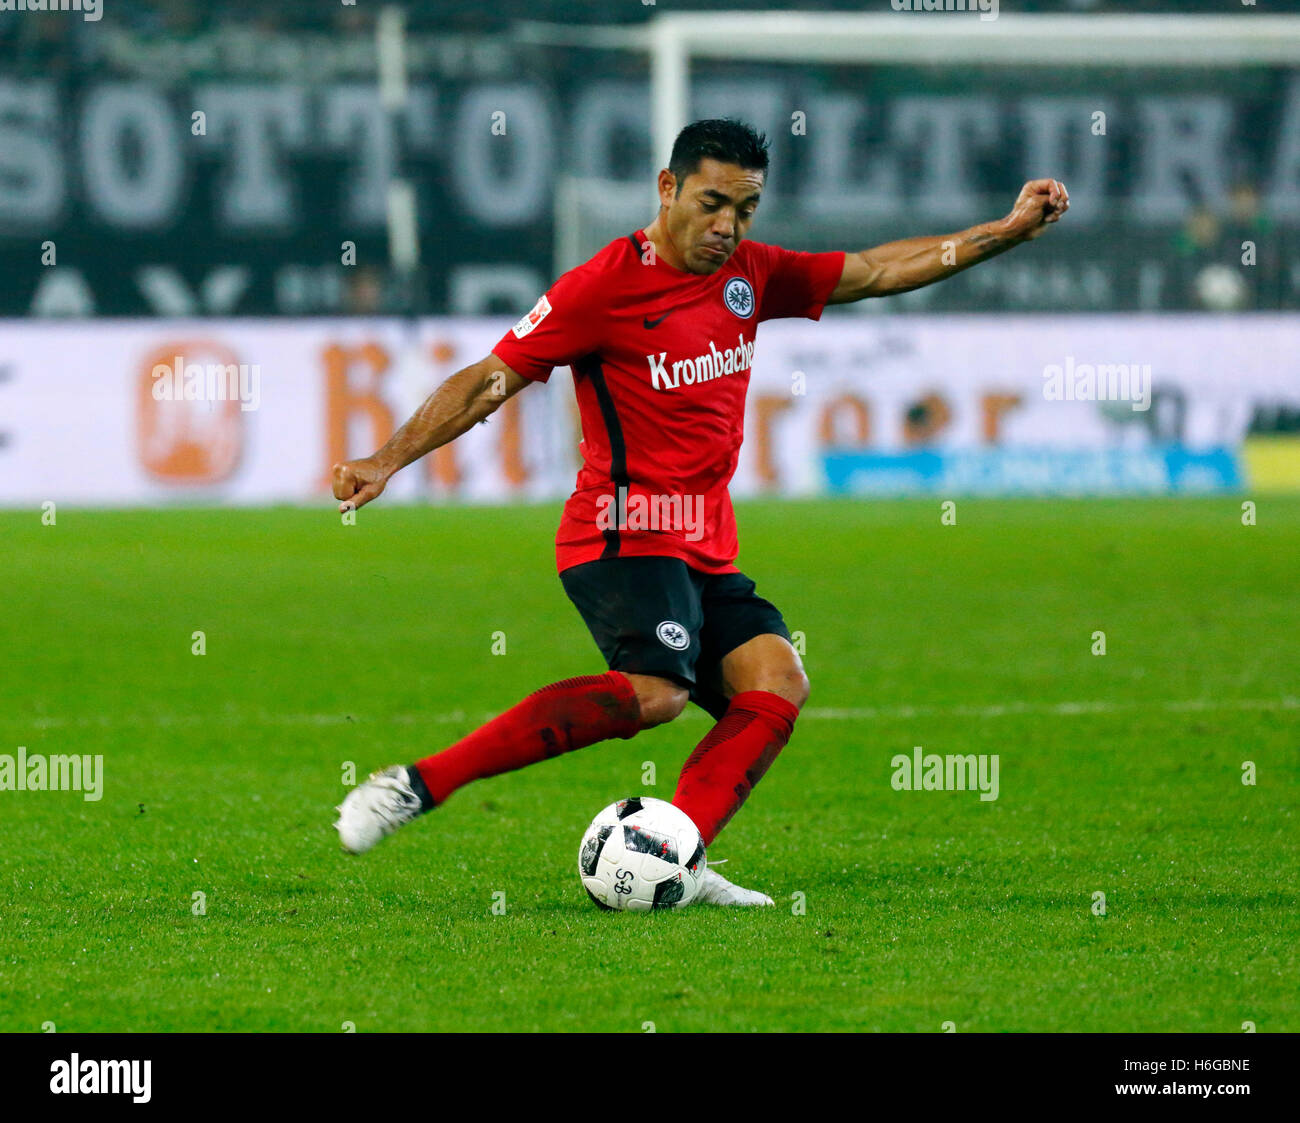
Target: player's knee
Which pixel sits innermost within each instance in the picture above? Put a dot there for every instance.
(664, 705)
(660, 699)
(798, 687)
(788, 682)
(768, 663)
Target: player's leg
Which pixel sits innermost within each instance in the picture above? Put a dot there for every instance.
(765, 685)
(645, 616)
(624, 606)
(625, 602)
(752, 680)
(659, 699)
(769, 664)
(556, 719)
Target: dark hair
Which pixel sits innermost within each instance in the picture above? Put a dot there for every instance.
(731, 142)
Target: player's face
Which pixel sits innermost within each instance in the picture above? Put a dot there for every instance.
(711, 212)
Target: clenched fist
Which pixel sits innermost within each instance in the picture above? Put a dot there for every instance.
(1041, 201)
(357, 482)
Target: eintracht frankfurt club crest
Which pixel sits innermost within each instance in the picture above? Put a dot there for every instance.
(738, 295)
(672, 634)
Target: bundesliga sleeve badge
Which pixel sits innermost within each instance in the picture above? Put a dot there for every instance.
(540, 311)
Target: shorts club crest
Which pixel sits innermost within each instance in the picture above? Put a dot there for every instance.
(658, 616)
(671, 634)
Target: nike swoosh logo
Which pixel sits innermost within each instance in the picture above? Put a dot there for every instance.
(655, 323)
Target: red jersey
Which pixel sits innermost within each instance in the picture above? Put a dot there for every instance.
(661, 361)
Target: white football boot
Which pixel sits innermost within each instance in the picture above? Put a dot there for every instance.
(717, 890)
(374, 810)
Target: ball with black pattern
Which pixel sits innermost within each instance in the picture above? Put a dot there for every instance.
(640, 854)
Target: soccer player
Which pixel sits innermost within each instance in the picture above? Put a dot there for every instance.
(659, 330)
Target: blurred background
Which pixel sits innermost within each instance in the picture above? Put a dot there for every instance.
(353, 200)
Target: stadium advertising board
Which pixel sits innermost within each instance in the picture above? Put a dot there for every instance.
(257, 411)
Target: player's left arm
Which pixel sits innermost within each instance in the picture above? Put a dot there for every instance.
(914, 262)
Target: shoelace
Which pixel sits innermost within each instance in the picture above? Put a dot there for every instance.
(401, 806)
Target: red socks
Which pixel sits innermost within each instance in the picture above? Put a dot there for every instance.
(717, 777)
(557, 719)
(568, 715)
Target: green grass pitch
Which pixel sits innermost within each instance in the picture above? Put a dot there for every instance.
(325, 644)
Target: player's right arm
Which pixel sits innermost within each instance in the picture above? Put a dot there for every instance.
(461, 402)
(563, 325)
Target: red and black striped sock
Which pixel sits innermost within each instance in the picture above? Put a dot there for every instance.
(557, 719)
(719, 775)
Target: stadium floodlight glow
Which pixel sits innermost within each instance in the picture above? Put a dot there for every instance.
(394, 92)
(390, 46)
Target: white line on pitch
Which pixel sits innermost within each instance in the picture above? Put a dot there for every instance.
(813, 713)
(1192, 705)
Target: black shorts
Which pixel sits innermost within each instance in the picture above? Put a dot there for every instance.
(658, 616)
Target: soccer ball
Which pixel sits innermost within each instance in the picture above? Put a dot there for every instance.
(641, 854)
